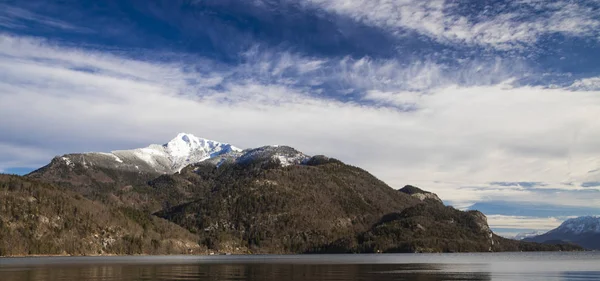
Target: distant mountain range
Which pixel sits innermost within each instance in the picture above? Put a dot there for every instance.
(523, 235)
(583, 231)
(193, 195)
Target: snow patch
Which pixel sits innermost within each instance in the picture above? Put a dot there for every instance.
(68, 162)
(221, 162)
(286, 156)
(118, 159)
(291, 160)
(146, 156)
(110, 155)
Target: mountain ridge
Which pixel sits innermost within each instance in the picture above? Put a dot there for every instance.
(275, 199)
(583, 231)
(103, 176)
(580, 225)
(170, 157)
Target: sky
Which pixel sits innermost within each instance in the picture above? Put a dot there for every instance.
(493, 105)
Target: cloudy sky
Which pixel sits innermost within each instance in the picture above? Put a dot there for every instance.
(494, 105)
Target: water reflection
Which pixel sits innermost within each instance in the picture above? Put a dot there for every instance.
(423, 267)
(231, 272)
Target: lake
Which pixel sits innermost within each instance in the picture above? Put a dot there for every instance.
(423, 267)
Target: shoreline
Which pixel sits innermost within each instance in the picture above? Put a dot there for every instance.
(282, 255)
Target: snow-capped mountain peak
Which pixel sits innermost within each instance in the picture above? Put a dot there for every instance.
(583, 231)
(587, 224)
(186, 145)
(187, 149)
(183, 150)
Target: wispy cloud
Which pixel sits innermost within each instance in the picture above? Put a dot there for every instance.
(505, 24)
(17, 18)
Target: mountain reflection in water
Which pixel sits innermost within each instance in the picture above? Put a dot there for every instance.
(502, 266)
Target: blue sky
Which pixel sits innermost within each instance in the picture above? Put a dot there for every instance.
(491, 104)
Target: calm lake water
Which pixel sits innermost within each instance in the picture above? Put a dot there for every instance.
(423, 267)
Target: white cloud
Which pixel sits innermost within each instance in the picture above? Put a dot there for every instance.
(463, 137)
(516, 24)
(586, 84)
(401, 99)
(464, 194)
(524, 222)
(422, 77)
(366, 73)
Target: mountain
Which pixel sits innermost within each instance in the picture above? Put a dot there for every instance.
(420, 194)
(262, 204)
(169, 158)
(42, 219)
(270, 199)
(277, 200)
(121, 177)
(524, 235)
(583, 231)
(425, 227)
(432, 227)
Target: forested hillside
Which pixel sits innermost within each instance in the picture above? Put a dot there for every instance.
(41, 219)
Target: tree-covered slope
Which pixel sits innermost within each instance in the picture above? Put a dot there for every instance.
(298, 208)
(41, 219)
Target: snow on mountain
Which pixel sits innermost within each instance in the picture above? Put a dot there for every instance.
(183, 150)
(523, 235)
(588, 224)
(583, 231)
(285, 155)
